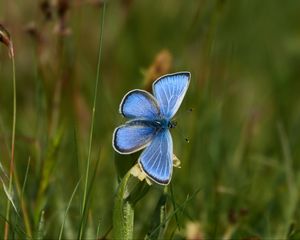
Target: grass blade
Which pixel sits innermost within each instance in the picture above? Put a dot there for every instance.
(69, 204)
(89, 193)
(179, 208)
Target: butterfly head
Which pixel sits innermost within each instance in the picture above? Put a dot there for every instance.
(166, 124)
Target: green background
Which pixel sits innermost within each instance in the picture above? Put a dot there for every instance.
(244, 130)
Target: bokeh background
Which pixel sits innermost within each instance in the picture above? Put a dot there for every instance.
(241, 114)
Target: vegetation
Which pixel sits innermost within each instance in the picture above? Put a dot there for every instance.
(73, 61)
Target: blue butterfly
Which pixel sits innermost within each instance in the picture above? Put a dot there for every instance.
(149, 123)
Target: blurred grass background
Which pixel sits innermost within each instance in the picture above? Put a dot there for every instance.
(244, 131)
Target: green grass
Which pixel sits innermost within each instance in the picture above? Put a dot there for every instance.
(239, 175)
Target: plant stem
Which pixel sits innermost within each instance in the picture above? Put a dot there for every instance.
(123, 213)
(11, 171)
(93, 119)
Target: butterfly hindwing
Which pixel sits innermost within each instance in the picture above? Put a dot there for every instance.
(133, 136)
(156, 160)
(169, 90)
(139, 104)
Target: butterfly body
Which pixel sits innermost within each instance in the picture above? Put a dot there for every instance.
(164, 123)
(149, 120)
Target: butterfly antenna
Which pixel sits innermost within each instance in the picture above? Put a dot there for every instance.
(190, 110)
(181, 133)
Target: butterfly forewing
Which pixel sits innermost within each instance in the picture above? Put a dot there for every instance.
(139, 104)
(156, 160)
(169, 90)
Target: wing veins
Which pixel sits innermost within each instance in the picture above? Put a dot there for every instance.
(155, 153)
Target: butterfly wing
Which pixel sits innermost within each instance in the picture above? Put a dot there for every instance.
(139, 104)
(133, 136)
(156, 160)
(169, 91)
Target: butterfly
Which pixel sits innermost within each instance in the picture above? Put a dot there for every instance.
(149, 120)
